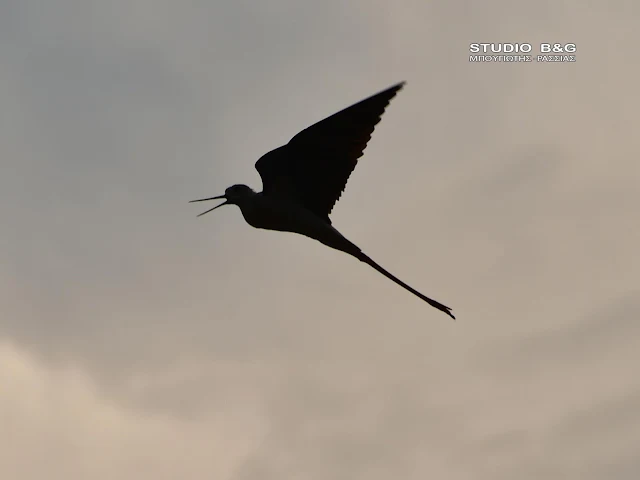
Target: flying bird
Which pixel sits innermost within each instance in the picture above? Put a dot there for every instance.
(303, 180)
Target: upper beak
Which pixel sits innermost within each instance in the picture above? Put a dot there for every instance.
(212, 198)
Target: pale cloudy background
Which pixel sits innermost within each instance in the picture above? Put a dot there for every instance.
(138, 342)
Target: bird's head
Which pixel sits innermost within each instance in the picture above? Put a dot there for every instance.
(234, 195)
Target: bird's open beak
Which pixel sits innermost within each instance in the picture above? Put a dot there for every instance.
(219, 197)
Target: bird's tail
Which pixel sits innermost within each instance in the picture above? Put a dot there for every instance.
(364, 258)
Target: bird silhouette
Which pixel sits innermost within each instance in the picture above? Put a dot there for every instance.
(303, 180)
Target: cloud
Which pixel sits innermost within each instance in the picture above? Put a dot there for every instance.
(606, 331)
(139, 341)
(55, 420)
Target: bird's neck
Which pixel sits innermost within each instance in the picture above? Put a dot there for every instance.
(247, 200)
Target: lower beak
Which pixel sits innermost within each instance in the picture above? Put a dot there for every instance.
(219, 197)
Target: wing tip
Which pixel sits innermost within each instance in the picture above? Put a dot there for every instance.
(400, 85)
(392, 91)
(388, 92)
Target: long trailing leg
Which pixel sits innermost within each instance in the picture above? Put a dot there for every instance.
(364, 258)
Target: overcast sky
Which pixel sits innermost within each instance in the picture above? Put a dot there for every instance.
(140, 342)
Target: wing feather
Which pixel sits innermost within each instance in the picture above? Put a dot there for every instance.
(313, 168)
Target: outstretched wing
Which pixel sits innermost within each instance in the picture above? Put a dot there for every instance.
(313, 168)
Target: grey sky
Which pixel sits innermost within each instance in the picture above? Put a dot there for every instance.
(137, 341)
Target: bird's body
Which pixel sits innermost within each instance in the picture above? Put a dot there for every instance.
(303, 180)
(269, 213)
